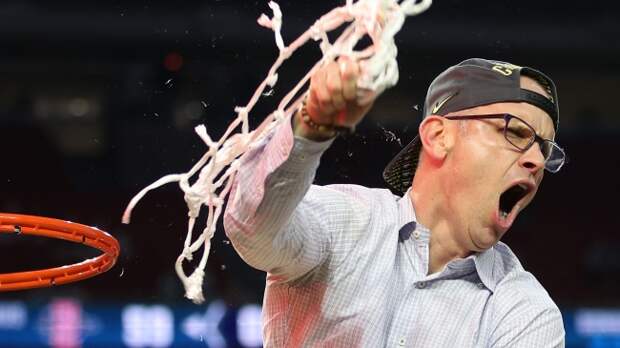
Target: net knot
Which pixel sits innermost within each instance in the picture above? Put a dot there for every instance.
(187, 254)
(193, 288)
(193, 200)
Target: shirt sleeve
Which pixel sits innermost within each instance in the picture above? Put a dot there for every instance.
(526, 326)
(265, 220)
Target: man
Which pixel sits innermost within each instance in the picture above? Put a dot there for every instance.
(350, 266)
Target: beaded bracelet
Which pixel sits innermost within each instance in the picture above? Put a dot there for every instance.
(330, 130)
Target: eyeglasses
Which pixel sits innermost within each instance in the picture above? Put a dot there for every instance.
(522, 136)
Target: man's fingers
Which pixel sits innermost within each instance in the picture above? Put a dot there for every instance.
(334, 86)
(319, 113)
(334, 95)
(349, 72)
(319, 104)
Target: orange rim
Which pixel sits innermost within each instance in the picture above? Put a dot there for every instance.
(59, 229)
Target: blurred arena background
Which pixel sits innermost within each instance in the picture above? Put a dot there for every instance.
(97, 100)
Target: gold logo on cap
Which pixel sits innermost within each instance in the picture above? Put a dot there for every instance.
(440, 104)
(505, 69)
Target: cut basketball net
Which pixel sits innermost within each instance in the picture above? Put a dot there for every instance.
(380, 20)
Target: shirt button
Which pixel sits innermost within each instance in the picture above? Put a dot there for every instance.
(401, 342)
(481, 285)
(416, 234)
(420, 285)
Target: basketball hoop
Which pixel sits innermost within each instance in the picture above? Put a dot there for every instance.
(59, 229)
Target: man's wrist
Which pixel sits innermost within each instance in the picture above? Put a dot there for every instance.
(302, 129)
(304, 126)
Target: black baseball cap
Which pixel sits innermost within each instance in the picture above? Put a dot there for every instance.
(473, 82)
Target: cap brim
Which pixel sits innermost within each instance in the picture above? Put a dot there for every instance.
(400, 171)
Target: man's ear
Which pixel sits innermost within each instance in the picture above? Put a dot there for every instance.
(435, 137)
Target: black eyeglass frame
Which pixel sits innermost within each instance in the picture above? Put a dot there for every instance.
(536, 139)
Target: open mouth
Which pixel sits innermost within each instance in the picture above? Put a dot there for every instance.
(509, 199)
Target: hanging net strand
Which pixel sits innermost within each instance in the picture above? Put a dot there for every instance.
(379, 20)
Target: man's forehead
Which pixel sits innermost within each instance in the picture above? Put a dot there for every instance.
(543, 123)
(534, 86)
(537, 118)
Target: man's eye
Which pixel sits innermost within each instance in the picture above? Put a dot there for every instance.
(518, 132)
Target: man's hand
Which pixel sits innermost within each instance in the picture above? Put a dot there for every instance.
(333, 100)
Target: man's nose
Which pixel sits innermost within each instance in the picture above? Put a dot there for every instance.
(533, 159)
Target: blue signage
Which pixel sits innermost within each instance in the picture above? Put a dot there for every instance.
(66, 322)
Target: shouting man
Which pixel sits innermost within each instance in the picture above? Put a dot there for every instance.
(350, 266)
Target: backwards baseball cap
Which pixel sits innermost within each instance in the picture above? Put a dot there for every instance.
(473, 82)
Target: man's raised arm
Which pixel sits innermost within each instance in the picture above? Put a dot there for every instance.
(275, 221)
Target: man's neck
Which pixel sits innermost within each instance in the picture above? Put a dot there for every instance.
(430, 210)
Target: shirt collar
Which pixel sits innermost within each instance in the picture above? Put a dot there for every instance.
(406, 213)
(486, 268)
(484, 261)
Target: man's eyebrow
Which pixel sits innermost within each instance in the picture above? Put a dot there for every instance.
(545, 136)
(520, 125)
(538, 132)
(552, 137)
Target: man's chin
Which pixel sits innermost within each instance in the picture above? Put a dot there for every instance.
(486, 239)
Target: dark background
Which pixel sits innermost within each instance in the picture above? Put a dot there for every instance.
(92, 109)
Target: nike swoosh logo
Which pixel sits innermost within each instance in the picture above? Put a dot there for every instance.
(440, 104)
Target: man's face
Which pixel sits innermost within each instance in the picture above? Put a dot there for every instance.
(483, 166)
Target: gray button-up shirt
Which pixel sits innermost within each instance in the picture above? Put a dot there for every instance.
(348, 265)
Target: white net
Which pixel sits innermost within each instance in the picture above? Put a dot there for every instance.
(379, 20)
